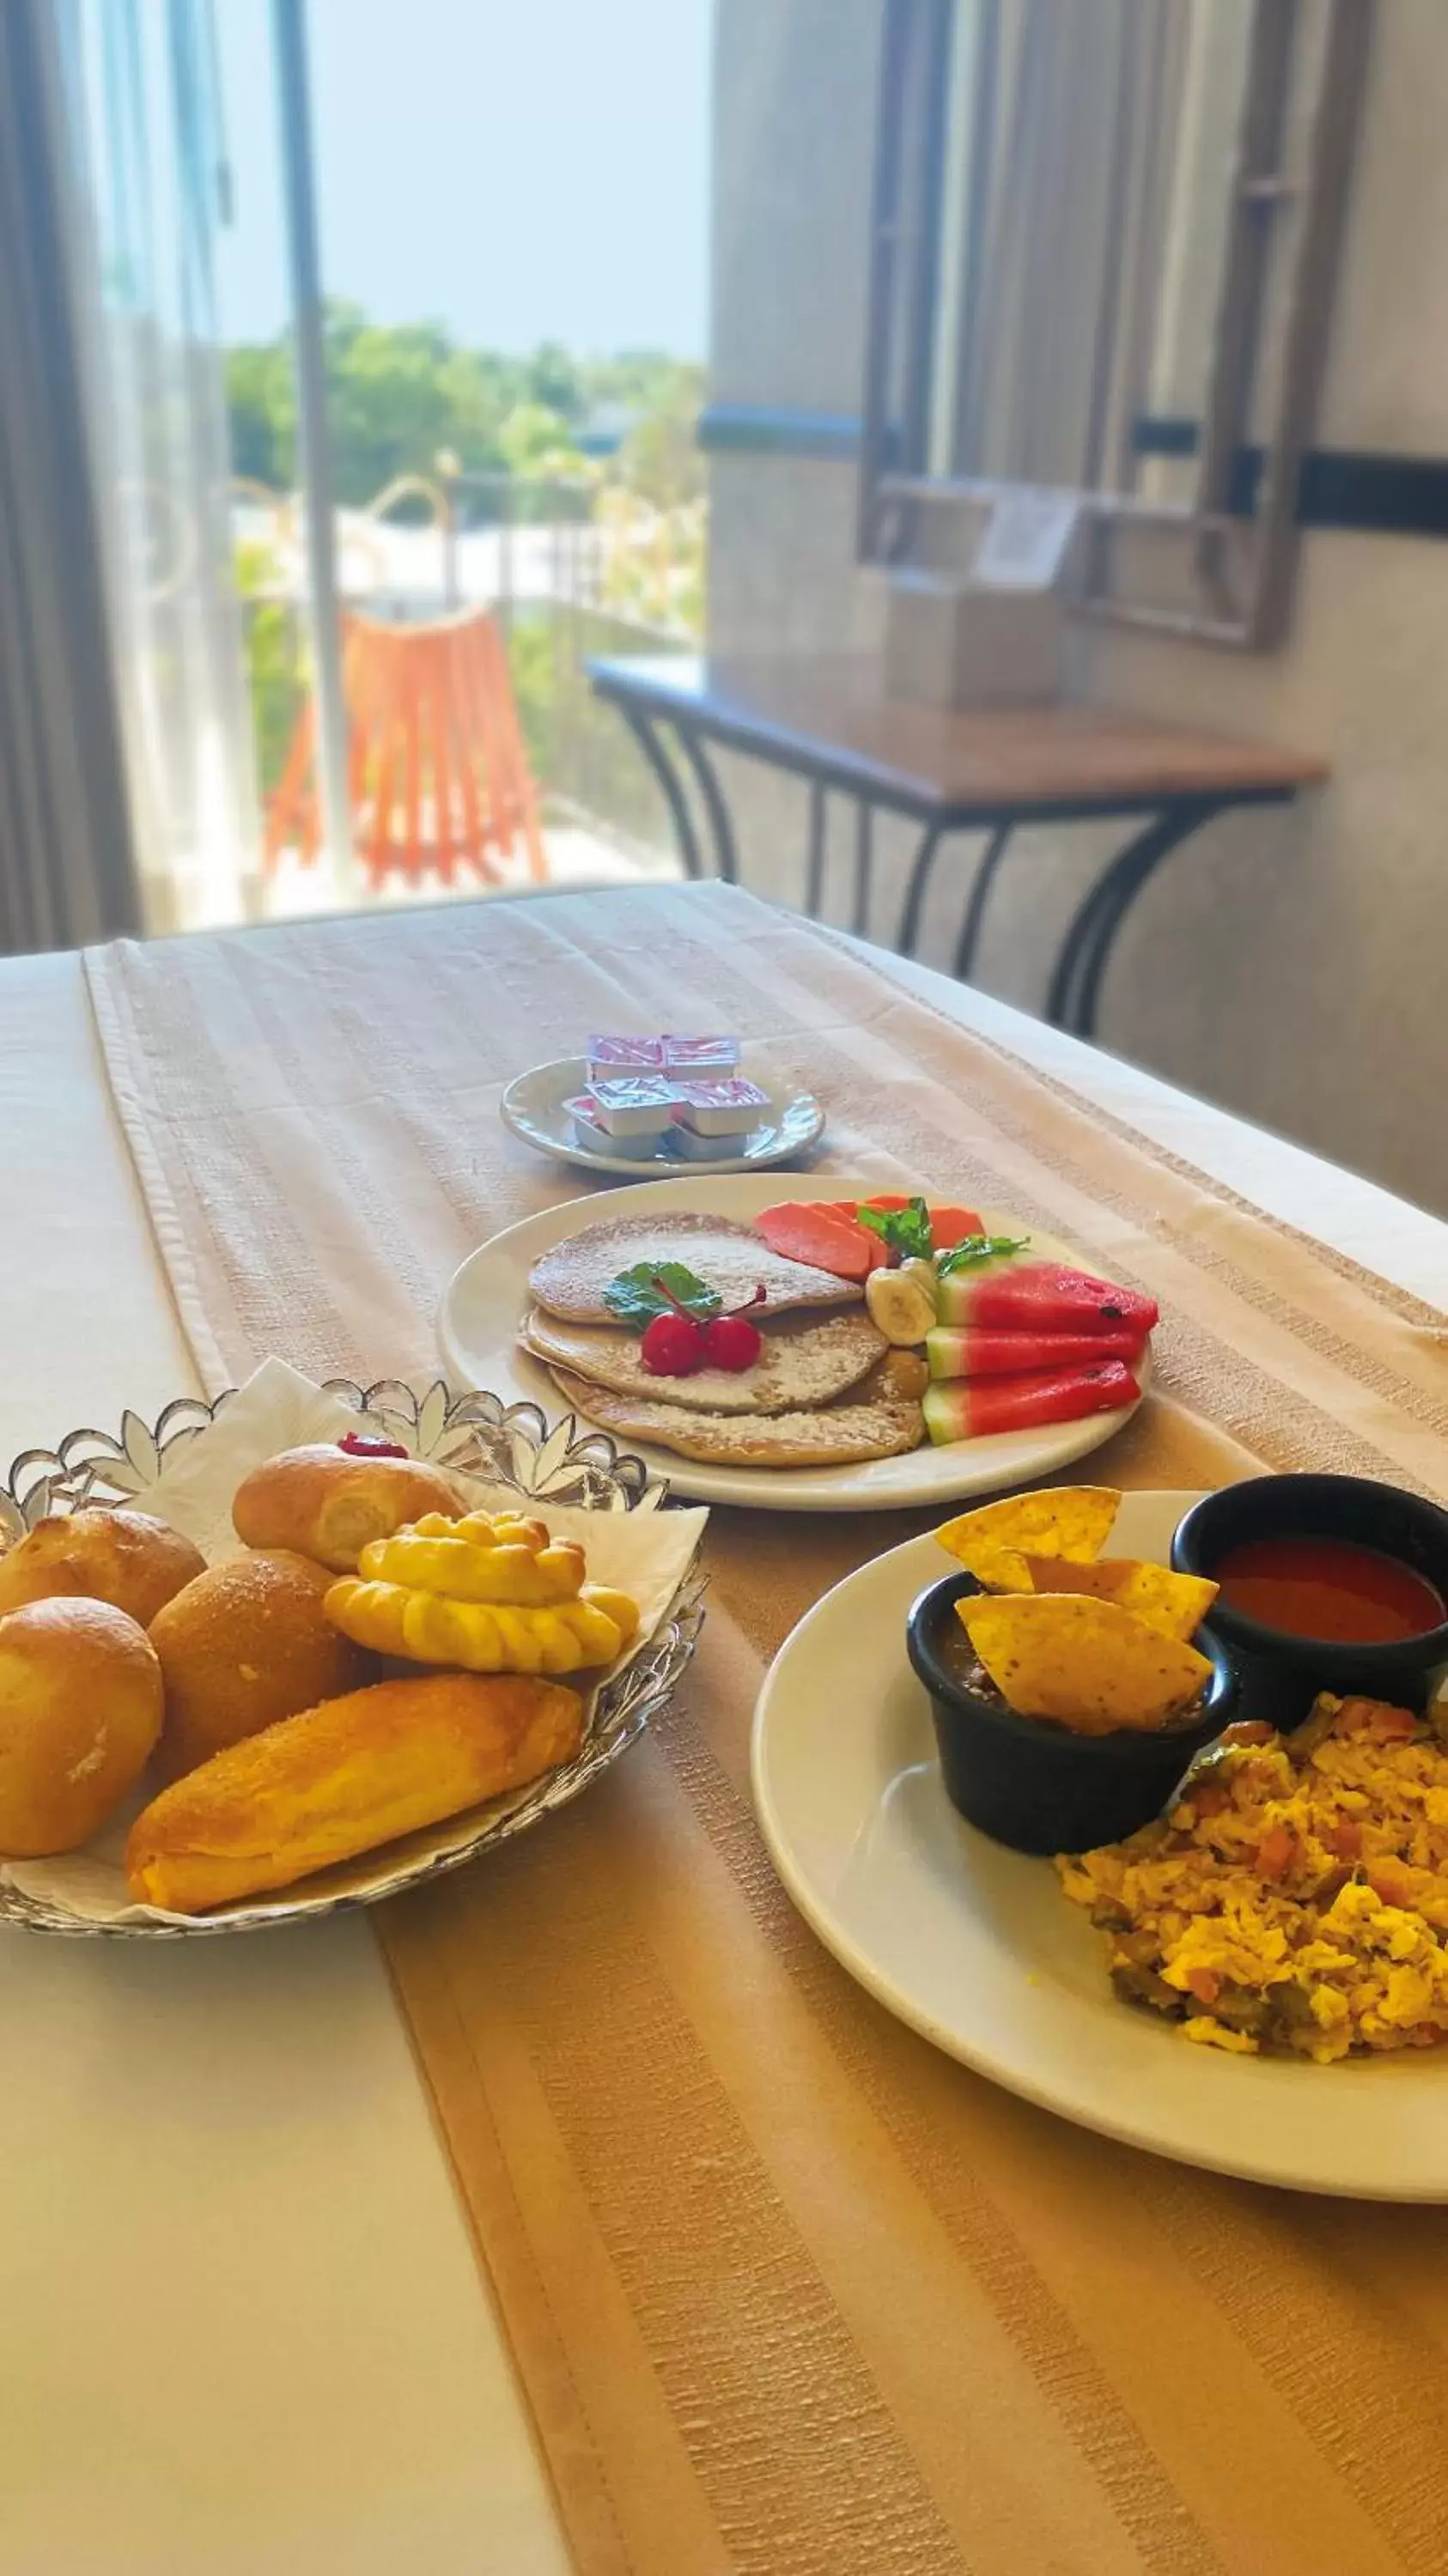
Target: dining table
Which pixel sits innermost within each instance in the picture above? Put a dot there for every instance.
(499, 2243)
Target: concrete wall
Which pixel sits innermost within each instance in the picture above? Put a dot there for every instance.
(1292, 966)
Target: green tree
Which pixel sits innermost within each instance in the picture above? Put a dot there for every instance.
(392, 400)
(275, 666)
(397, 394)
(535, 440)
(553, 377)
(660, 458)
(642, 379)
(262, 410)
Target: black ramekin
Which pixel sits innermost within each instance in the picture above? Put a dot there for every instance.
(1281, 1673)
(1035, 1785)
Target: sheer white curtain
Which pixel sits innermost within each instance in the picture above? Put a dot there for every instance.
(1088, 179)
(66, 872)
(149, 168)
(1060, 145)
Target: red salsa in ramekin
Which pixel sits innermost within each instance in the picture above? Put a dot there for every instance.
(1329, 1587)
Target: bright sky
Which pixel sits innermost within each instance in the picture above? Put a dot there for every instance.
(520, 170)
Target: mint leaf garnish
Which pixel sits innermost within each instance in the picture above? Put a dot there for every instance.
(636, 1295)
(906, 1230)
(978, 1247)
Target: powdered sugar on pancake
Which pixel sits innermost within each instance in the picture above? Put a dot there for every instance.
(569, 1280)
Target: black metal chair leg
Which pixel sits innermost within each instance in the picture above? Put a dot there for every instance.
(714, 804)
(864, 838)
(814, 884)
(1075, 992)
(985, 877)
(668, 778)
(914, 904)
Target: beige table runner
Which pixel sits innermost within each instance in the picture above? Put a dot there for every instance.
(791, 2293)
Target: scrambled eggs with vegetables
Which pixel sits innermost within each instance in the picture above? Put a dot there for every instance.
(1296, 1896)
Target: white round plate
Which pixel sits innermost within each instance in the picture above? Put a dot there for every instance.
(487, 1299)
(533, 1107)
(977, 1948)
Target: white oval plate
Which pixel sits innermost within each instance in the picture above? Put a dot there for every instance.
(487, 1299)
(977, 1948)
(534, 1107)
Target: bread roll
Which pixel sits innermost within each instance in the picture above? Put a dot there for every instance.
(330, 1506)
(127, 1558)
(244, 1645)
(80, 1710)
(343, 1778)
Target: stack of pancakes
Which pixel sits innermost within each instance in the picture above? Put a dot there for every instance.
(826, 1391)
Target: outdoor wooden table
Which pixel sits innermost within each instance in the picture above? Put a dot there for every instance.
(246, 2325)
(951, 770)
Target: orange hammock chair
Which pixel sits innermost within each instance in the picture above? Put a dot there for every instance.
(437, 774)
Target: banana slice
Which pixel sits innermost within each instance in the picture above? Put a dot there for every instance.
(926, 1276)
(899, 1307)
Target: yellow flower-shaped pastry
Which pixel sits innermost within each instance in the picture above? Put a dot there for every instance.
(483, 1558)
(491, 1593)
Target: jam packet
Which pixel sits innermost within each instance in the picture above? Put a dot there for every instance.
(633, 1105)
(729, 1107)
(615, 1055)
(700, 1055)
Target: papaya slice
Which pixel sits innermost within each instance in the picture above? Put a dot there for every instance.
(950, 1225)
(812, 1231)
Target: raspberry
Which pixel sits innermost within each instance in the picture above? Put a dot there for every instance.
(673, 1346)
(370, 1444)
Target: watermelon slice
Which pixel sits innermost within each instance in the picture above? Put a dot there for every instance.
(973, 1409)
(964, 1350)
(1042, 1297)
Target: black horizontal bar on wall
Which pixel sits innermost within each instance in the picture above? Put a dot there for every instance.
(1339, 487)
(1405, 496)
(1160, 434)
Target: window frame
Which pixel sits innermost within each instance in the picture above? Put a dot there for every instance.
(1237, 541)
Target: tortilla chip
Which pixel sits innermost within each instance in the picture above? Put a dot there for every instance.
(1089, 1664)
(1071, 1521)
(1174, 1604)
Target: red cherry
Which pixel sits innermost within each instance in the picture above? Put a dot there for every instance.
(370, 1444)
(732, 1342)
(673, 1346)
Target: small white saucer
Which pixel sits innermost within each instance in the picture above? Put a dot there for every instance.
(534, 1107)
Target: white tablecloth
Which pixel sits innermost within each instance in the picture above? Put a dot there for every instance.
(243, 2321)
